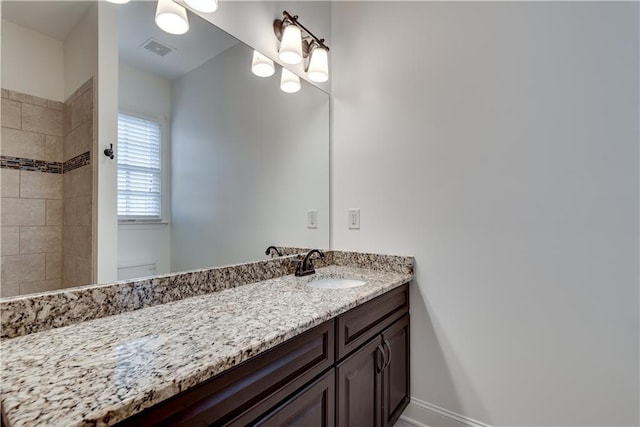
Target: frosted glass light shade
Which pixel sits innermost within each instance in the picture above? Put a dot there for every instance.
(171, 17)
(291, 45)
(118, 1)
(262, 66)
(205, 6)
(318, 70)
(289, 82)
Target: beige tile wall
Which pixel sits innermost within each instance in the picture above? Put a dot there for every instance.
(77, 232)
(46, 218)
(31, 202)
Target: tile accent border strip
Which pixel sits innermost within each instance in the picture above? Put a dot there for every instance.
(76, 162)
(23, 315)
(24, 164)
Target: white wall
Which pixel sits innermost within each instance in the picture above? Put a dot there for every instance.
(252, 23)
(248, 162)
(498, 143)
(148, 95)
(32, 63)
(40, 65)
(81, 52)
(106, 241)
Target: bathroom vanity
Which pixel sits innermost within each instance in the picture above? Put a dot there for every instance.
(354, 368)
(257, 350)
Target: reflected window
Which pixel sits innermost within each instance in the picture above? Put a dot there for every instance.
(139, 169)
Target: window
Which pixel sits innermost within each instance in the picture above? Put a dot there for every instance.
(139, 169)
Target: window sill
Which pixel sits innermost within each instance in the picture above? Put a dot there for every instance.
(142, 225)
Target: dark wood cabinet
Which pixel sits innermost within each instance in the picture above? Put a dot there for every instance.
(246, 391)
(313, 406)
(359, 387)
(372, 385)
(360, 324)
(350, 371)
(395, 378)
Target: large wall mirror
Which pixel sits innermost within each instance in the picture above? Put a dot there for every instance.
(214, 163)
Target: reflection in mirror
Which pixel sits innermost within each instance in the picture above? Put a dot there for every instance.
(49, 63)
(215, 164)
(242, 161)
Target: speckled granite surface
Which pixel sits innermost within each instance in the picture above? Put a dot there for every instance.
(101, 371)
(39, 312)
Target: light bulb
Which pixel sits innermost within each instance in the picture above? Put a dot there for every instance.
(289, 82)
(204, 6)
(262, 66)
(171, 17)
(318, 70)
(291, 46)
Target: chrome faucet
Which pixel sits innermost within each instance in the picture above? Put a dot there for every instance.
(305, 267)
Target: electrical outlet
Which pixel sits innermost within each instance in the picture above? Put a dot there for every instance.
(354, 219)
(312, 219)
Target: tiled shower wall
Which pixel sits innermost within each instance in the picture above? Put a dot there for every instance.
(78, 187)
(47, 184)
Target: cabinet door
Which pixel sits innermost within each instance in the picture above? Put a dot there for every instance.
(358, 387)
(313, 406)
(395, 378)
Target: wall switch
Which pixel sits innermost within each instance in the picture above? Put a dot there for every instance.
(312, 219)
(354, 219)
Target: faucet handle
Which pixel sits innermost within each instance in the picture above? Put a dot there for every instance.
(306, 265)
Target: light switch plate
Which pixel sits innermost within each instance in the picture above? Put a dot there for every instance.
(312, 219)
(354, 219)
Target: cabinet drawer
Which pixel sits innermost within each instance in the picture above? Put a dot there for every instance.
(312, 406)
(222, 398)
(358, 325)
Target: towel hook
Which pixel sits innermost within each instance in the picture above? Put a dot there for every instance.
(109, 152)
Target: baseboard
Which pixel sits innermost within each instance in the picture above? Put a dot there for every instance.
(412, 421)
(424, 414)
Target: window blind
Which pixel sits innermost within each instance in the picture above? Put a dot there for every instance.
(139, 160)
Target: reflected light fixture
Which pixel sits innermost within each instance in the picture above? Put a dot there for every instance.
(204, 6)
(262, 66)
(289, 82)
(171, 17)
(297, 42)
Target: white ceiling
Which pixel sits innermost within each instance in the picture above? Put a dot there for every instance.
(53, 18)
(136, 24)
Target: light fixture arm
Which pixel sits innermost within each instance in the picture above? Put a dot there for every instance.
(288, 19)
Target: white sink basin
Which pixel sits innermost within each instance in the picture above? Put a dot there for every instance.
(336, 283)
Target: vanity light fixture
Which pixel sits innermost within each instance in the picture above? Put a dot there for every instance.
(318, 68)
(262, 66)
(118, 1)
(204, 6)
(289, 82)
(291, 45)
(171, 17)
(297, 42)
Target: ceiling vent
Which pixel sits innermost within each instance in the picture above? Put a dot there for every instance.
(156, 47)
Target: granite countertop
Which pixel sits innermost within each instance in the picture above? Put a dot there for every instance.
(101, 371)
